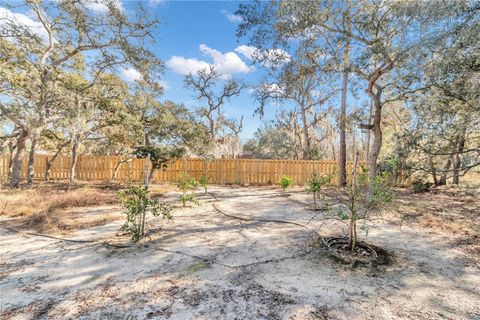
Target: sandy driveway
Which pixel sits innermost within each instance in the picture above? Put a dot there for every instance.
(204, 265)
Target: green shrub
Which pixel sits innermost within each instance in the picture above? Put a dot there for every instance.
(204, 181)
(285, 182)
(316, 183)
(186, 184)
(136, 203)
(188, 197)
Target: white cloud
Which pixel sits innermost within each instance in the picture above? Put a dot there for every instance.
(226, 64)
(247, 51)
(185, 66)
(272, 89)
(130, 75)
(10, 19)
(268, 58)
(101, 6)
(231, 17)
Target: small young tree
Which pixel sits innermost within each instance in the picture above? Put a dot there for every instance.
(285, 183)
(186, 184)
(136, 202)
(315, 185)
(357, 201)
(204, 181)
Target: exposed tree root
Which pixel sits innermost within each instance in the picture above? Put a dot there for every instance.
(254, 220)
(65, 239)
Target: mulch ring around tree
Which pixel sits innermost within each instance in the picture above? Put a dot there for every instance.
(364, 254)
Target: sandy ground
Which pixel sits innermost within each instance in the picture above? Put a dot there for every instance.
(204, 265)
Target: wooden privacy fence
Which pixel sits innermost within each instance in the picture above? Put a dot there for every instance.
(220, 171)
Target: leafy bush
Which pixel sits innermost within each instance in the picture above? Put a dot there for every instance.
(186, 184)
(316, 183)
(136, 202)
(188, 197)
(204, 181)
(285, 182)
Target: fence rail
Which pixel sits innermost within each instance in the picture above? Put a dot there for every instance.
(220, 171)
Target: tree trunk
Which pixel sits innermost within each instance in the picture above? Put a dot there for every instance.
(17, 160)
(443, 178)
(352, 235)
(118, 166)
(457, 160)
(48, 165)
(456, 166)
(73, 165)
(369, 132)
(306, 137)
(11, 148)
(31, 160)
(342, 159)
(433, 171)
(377, 139)
(151, 174)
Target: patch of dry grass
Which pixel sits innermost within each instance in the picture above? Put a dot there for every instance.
(449, 210)
(60, 207)
(48, 208)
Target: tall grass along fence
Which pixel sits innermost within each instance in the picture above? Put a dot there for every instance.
(219, 171)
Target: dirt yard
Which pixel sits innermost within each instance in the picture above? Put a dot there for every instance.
(208, 264)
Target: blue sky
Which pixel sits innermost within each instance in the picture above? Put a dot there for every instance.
(191, 33)
(191, 36)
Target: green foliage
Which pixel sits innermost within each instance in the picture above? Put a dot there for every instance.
(359, 198)
(389, 165)
(204, 181)
(315, 185)
(270, 143)
(160, 156)
(383, 188)
(285, 182)
(317, 182)
(136, 203)
(188, 197)
(186, 184)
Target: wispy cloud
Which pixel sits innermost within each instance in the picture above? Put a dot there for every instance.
(155, 3)
(165, 85)
(231, 17)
